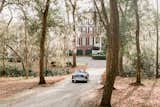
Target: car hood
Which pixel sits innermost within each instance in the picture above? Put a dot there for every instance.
(79, 74)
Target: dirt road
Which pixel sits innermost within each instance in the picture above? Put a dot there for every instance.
(62, 94)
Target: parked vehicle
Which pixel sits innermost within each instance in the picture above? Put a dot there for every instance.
(80, 76)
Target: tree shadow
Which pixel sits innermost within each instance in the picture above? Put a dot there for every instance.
(129, 93)
(147, 98)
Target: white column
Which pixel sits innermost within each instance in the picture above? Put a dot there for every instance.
(90, 40)
(83, 41)
(100, 43)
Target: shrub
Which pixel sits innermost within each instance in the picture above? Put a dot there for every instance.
(32, 73)
(53, 63)
(99, 56)
(69, 64)
(55, 72)
(79, 52)
(147, 64)
(10, 59)
(70, 53)
(15, 72)
(88, 52)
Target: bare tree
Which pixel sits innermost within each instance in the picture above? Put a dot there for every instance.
(123, 23)
(74, 5)
(25, 40)
(2, 5)
(112, 30)
(157, 43)
(113, 54)
(138, 60)
(42, 43)
(4, 35)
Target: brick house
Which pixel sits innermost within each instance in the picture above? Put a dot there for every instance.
(89, 35)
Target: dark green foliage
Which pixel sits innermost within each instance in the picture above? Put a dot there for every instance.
(99, 56)
(88, 52)
(147, 64)
(70, 53)
(32, 73)
(69, 64)
(56, 72)
(15, 72)
(14, 60)
(53, 63)
(79, 52)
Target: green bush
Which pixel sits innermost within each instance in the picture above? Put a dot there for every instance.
(32, 73)
(70, 53)
(88, 52)
(15, 72)
(99, 56)
(69, 64)
(10, 59)
(147, 64)
(79, 52)
(56, 72)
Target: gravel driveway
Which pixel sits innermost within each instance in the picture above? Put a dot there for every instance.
(62, 94)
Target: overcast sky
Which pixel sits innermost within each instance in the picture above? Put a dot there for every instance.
(83, 4)
(154, 2)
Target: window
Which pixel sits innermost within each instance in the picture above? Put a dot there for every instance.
(88, 30)
(87, 41)
(84, 29)
(80, 41)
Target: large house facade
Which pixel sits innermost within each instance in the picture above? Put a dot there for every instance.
(89, 35)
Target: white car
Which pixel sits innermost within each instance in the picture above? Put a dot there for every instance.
(80, 76)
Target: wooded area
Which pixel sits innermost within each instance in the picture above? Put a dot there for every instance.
(45, 32)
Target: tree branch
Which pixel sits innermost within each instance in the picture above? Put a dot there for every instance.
(2, 5)
(99, 13)
(17, 55)
(104, 12)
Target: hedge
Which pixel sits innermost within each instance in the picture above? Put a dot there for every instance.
(58, 71)
(99, 57)
(88, 52)
(79, 52)
(15, 72)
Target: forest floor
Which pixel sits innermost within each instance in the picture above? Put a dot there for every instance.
(12, 85)
(126, 95)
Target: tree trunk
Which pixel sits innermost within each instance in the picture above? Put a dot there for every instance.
(138, 63)
(26, 49)
(22, 62)
(3, 60)
(123, 25)
(46, 60)
(112, 57)
(120, 63)
(157, 44)
(74, 38)
(42, 43)
(2, 4)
